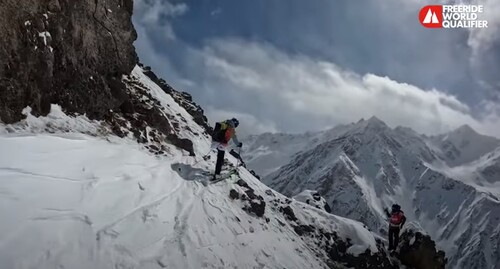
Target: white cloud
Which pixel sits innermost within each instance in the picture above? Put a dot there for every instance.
(216, 12)
(274, 91)
(155, 13)
(481, 39)
(323, 92)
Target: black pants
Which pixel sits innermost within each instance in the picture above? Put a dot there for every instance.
(220, 161)
(393, 237)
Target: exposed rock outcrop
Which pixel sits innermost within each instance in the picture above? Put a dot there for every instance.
(71, 53)
(79, 55)
(255, 204)
(419, 251)
(184, 99)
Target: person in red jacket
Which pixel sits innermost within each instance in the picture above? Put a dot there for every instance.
(396, 221)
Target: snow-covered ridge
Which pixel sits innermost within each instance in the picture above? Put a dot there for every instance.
(76, 197)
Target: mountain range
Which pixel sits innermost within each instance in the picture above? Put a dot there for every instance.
(448, 185)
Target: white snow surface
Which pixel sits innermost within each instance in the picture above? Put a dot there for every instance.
(55, 122)
(44, 35)
(74, 196)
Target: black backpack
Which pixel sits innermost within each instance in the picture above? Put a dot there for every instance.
(219, 134)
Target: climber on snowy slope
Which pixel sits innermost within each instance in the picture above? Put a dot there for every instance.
(223, 132)
(396, 221)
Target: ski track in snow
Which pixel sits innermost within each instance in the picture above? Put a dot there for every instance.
(142, 207)
(36, 175)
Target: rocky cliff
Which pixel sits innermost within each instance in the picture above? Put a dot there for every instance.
(79, 55)
(73, 53)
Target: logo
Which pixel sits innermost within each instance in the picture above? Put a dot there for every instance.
(452, 16)
(431, 16)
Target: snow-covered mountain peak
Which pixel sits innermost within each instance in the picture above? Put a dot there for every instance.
(464, 145)
(465, 130)
(376, 121)
(463, 135)
(373, 124)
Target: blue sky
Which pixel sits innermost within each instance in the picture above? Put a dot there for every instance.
(294, 66)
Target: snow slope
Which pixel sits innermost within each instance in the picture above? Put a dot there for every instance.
(364, 167)
(74, 196)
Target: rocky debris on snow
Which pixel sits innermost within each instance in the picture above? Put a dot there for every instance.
(339, 252)
(288, 212)
(336, 249)
(255, 204)
(419, 251)
(233, 194)
(242, 183)
(313, 198)
(303, 229)
(148, 113)
(254, 174)
(184, 99)
(270, 193)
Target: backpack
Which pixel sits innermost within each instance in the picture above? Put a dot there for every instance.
(396, 218)
(219, 134)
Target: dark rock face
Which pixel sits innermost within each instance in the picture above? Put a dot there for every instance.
(419, 251)
(73, 53)
(148, 112)
(184, 99)
(79, 55)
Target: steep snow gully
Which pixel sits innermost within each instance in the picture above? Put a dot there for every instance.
(72, 195)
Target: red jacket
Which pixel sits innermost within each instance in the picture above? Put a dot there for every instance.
(397, 219)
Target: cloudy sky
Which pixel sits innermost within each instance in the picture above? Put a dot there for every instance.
(295, 66)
